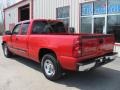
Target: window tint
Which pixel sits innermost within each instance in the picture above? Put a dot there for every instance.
(87, 9)
(114, 26)
(86, 25)
(16, 29)
(113, 6)
(24, 28)
(57, 27)
(44, 27)
(100, 7)
(38, 27)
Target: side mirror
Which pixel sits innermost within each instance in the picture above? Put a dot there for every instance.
(8, 33)
(71, 29)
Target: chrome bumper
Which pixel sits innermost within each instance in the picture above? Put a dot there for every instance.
(85, 66)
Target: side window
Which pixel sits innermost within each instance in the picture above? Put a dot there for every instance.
(63, 14)
(38, 27)
(24, 28)
(16, 29)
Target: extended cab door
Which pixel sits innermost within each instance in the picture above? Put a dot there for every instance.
(22, 40)
(14, 38)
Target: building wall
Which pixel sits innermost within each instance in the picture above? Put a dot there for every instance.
(11, 15)
(46, 9)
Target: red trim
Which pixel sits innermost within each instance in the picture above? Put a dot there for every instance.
(4, 22)
(15, 4)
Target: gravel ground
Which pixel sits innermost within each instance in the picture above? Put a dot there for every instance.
(21, 74)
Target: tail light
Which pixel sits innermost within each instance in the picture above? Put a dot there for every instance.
(77, 48)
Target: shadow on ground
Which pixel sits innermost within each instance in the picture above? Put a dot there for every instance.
(99, 79)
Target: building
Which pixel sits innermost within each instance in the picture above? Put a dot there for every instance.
(86, 16)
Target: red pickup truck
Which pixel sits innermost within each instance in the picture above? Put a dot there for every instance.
(48, 42)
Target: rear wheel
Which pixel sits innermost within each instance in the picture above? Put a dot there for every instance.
(51, 67)
(6, 51)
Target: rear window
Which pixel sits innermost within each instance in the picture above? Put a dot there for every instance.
(46, 27)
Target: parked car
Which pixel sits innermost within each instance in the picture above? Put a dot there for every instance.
(49, 43)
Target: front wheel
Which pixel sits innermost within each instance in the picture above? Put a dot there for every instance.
(6, 51)
(50, 67)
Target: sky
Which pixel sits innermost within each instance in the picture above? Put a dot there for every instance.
(4, 3)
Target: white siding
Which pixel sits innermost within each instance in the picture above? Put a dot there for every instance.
(11, 17)
(74, 15)
(61, 3)
(44, 9)
(11, 14)
(83, 1)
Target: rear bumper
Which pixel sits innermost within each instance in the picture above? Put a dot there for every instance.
(97, 62)
(75, 64)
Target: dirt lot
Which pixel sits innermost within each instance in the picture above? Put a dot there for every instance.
(21, 74)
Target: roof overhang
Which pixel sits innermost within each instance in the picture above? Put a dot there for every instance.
(14, 5)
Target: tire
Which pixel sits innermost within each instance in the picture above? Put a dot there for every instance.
(6, 51)
(50, 67)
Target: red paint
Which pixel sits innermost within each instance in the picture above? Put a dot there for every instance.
(65, 46)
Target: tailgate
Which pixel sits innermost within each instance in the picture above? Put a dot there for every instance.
(97, 44)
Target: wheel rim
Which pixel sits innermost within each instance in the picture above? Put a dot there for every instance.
(49, 68)
(5, 50)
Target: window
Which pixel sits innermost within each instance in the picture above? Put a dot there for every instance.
(57, 27)
(46, 27)
(113, 6)
(86, 25)
(100, 7)
(38, 27)
(101, 16)
(16, 29)
(24, 28)
(114, 26)
(24, 13)
(86, 19)
(87, 9)
(62, 13)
